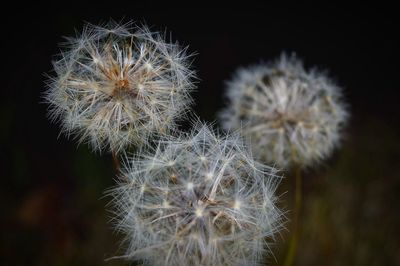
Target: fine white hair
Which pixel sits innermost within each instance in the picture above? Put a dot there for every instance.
(117, 84)
(291, 116)
(197, 199)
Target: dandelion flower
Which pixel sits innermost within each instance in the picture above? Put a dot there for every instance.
(198, 199)
(291, 116)
(116, 85)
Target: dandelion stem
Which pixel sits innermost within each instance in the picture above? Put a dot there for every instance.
(116, 162)
(296, 215)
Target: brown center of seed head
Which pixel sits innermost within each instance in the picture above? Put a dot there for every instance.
(122, 88)
(122, 84)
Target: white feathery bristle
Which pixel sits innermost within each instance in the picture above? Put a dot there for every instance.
(198, 199)
(116, 85)
(291, 116)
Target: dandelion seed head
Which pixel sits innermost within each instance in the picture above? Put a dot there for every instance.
(230, 219)
(291, 116)
(117, 84)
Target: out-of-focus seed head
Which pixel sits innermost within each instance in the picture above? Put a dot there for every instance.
(291, 116)
(116, 85)
(198, 199)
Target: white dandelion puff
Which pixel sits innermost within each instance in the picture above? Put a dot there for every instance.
(198, 199)
(291, 116)
(118, 84)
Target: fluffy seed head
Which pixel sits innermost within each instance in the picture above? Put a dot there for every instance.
(116, 85)
(291, 116)
(198, 199)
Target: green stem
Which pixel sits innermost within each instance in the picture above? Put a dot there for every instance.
(296, 217)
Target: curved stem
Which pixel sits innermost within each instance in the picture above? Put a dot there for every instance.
(291, 254)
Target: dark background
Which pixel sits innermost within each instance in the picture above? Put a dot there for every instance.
(51, 195)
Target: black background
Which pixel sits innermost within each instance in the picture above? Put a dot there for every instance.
(51, 193)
